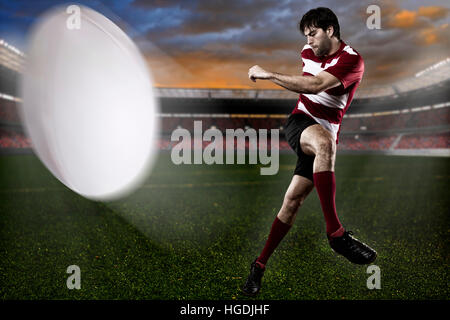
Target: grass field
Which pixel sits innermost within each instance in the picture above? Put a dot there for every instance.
(191, 232)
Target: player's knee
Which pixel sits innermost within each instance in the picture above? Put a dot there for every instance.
(292, 201)
(291, 206)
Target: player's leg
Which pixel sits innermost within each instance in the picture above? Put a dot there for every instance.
(315, 140)
(298, 190)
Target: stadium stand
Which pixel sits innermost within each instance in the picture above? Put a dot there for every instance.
(397, 120)
(368, 132)
(428, 116)
(8, 111)
(410, 114)
(13, 139)
(425, 141)
(366, 142)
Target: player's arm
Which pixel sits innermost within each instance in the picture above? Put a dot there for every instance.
(300, 84)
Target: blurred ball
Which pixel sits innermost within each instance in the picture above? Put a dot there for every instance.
(88, 104)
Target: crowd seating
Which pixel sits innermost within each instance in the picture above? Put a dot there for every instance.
(425, 141)
(399, 121)
(12, 139)
(169, 124)
(419, 119)
(365, 142)
(357, 142)
(357, 133)
(8, 111)
(166, 144)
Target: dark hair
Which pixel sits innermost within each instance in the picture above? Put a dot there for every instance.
(320, 18)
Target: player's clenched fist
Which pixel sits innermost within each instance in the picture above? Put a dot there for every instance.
(256, 72)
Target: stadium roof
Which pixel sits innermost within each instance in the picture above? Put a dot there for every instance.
(11, 57)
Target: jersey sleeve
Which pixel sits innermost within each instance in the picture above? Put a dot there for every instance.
(349, 69)
(305, 54)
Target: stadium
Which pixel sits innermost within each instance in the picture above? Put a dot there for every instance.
(190, 231)
(406, 118)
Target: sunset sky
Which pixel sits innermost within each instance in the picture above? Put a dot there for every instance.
(212, 43)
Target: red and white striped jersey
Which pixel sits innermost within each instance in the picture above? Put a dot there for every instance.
(328, 107)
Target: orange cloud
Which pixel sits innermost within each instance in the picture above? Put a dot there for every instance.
(433, 12)
(433, 35)
(203, 70)
(404, 19)
(429, 36)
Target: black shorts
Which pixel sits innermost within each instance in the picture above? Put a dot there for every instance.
(293, 129)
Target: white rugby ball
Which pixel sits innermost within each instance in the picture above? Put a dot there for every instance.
(88, 103)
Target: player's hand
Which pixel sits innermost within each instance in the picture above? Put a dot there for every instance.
(256, 72)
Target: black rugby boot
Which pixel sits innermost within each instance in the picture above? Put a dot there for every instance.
(253, 283)
(353, 249)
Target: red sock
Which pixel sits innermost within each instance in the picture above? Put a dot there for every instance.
(325, 183)
(277, 232)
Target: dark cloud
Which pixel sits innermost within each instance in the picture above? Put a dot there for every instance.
(200, 17)
(155, 4)
(214, 42)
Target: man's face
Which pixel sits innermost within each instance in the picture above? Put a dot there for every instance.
(319, 40)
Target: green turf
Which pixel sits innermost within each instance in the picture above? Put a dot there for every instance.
(191, 232)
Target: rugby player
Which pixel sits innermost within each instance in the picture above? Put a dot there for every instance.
(332, 71)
